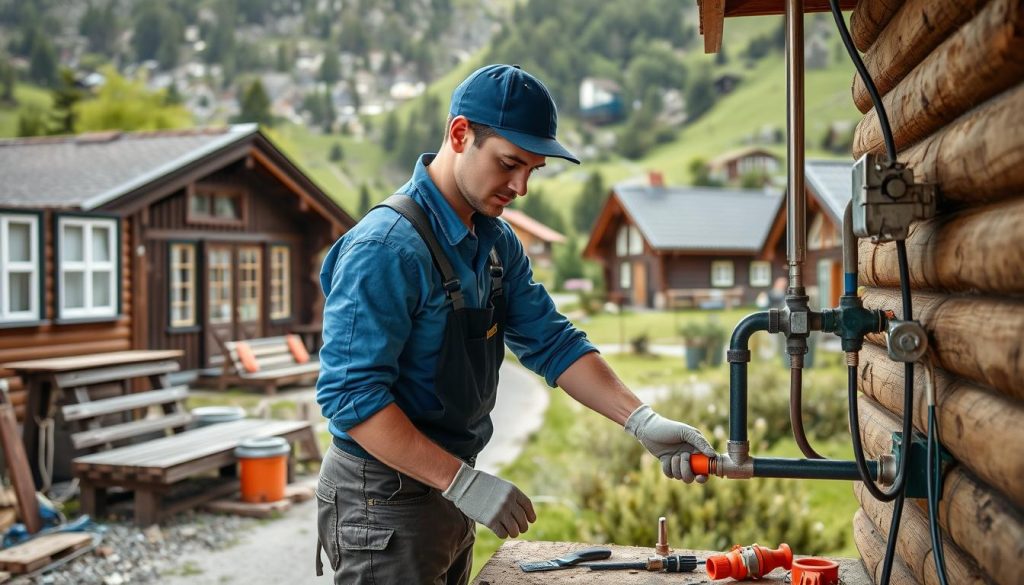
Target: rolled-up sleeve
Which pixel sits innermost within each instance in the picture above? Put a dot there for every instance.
(367, 320)
(541, 337)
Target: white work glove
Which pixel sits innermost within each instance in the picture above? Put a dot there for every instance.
(491, 501)
(670, 441)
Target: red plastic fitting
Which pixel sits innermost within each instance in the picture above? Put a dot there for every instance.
(749, 562)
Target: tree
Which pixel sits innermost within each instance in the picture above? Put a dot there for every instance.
(42, 67)
(700, 174)
(364, 199)
(568, 262)
(389, 139)
(125, 104)
(700, 96)
(329, 112)
(539, 208)
(99, 27)
(330, 69)
(33, 120)
(65, 96)
(255, 105)
(337, 154)
(589, 203)
(8, 78)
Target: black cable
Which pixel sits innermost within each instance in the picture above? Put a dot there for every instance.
(933, 472)
(876, 99)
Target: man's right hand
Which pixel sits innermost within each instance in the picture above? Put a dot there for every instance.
(491, 501)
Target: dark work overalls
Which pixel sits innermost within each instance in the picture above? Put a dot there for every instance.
(380, 526)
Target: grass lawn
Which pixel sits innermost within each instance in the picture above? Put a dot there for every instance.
(660, 326)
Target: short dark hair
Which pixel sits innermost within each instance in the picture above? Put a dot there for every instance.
(481, 132)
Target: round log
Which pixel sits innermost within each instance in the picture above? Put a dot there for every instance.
(917, 27)
(978, 338)
(871, 545)
(868, 20)
(977, 249)
(967, 414)
(983, 58)
(914, 544)
(975, 158)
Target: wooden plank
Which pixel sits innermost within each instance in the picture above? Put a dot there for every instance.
(967, 414)
(871, 546)
(914, 31)
(992, 355)
(984, 57)
(712, 19)
(248, 509)
(869, 19)
(117, 373)
(914, 543)
(503, 567)
(101, 436)
(979, 249)
(18, 467)
(41, 551)
(296, 371)
(94, 360)
(975, 158)
(96, 408)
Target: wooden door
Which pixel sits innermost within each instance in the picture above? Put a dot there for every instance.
(220, 300)
(836, 290)
(639, 284)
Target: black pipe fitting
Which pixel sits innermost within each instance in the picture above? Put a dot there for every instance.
(851, 322)
(739, 355)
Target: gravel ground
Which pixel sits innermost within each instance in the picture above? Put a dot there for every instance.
(129, 554)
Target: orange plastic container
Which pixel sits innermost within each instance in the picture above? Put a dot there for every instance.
(263, 468)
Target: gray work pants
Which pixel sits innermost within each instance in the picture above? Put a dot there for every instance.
(378, 526)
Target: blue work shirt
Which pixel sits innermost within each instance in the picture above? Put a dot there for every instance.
(385, 313)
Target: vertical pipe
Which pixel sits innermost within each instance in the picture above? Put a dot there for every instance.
(738, 373)
(849, 253)
(796, 200)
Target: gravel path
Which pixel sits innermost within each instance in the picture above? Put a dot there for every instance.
(203, 549)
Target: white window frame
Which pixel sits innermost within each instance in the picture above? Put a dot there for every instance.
(30, 267)
(723, 273)
(280, 288)
(88, 267)
(625, 275)
(622, 241)
(175, 268)
(636, 243)
(760, 273)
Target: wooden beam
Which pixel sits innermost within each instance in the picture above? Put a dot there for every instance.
(868, 20)
(712, 19)
(978, 249)
(984, 58)
(967, 414)
(916, 29)
(978, 157)
(978, 338)
(871, 545)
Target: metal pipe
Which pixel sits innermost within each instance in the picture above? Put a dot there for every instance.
(796, 417)
(849, 252)
(796, 200)
(739, 355)
(810, 468)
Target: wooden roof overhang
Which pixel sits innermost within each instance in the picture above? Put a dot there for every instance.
(255, 148)
(714, 12)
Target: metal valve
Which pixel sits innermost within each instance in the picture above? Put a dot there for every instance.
(907, 341)
(886, 200)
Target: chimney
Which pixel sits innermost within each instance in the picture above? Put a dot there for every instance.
(656, 178)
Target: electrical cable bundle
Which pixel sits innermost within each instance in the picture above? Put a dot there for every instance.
(897, 492)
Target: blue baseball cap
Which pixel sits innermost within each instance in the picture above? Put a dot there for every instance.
(514, 103)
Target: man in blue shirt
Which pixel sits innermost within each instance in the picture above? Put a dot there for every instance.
(422, 297)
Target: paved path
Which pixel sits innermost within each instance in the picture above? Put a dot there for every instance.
(281, 551)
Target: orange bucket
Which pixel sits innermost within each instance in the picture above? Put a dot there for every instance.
(263, 468)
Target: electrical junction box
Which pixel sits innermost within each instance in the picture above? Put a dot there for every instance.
(886, 200)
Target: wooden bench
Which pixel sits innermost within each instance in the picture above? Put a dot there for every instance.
(695, 297)
(138, 441)
(274, 359)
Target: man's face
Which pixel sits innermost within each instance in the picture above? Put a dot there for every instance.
(490, 176)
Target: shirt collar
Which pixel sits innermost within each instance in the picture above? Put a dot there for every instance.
(454, 230)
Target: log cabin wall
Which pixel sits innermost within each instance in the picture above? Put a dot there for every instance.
(951, 73)
(51, 338)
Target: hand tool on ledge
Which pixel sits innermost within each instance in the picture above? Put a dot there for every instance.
(567, 561)
(669, 564)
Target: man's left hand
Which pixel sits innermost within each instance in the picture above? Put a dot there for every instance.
(670, 441)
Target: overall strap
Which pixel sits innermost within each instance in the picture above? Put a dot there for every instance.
(410, 210)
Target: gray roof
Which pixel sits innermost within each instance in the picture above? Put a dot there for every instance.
(701, 218)
(89, 170)
(832, 182)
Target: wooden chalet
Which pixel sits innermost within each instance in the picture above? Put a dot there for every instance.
(732, 166)
(156, 240)
(951, 76)
(665, 246)
(828, 187)
(536, 237)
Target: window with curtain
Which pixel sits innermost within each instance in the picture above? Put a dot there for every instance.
(280, 282)
(183, 285)
(20, 274)
(722, 273)
(87, 267)
(760, 273)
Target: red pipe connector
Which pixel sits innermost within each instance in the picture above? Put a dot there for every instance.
(749, 562)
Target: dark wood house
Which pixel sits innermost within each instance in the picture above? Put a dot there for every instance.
(537, 238)
(951, 77)
(156, 240)
(671, 246)
(828, 187)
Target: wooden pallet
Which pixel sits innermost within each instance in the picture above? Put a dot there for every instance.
(41, 551)
(232, 505)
